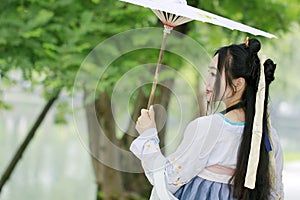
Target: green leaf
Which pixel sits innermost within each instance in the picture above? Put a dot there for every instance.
(4, 106)
(32, 33)
(42, 17)
(96, 1)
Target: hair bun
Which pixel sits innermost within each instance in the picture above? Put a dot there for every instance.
(270, 67)
(254, 46)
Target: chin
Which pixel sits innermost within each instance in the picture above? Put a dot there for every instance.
(208, 97)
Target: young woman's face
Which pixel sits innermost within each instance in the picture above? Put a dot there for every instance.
(213, 73)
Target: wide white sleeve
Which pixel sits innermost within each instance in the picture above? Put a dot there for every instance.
(189, 158)
(146, 148)
(277, 193)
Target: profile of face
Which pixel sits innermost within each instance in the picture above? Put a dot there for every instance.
(215, 92)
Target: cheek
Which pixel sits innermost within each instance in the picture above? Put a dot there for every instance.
(228, 92)
(225, 90)
(210, 81)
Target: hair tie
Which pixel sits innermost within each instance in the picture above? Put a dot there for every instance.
(246, 40)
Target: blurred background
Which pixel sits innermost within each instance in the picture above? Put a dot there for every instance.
(43, 45)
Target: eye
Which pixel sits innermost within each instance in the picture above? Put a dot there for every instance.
(212, 74)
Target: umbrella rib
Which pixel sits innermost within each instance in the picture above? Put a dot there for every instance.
(182, 20)
(166, 16)
(159, 15)
(175, 18)
(170, 18)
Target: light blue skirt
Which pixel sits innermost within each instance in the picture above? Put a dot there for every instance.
(202, 189)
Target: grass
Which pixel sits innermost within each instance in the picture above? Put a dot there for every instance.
(291, 156)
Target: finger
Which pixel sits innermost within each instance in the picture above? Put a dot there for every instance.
(142, 120)
(151, 113)
(137, 127)
(144, 112)
(139, 118)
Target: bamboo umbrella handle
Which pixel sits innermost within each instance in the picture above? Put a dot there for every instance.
(158, 66)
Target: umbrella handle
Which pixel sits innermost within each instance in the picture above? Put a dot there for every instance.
(161, 53)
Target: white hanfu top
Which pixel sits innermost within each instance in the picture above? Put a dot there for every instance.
(207, 141)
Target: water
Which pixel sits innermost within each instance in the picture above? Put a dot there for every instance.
(55, 164)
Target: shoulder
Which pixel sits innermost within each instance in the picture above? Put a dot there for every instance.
(275, 140)
(274, 135)
(208, 118)
(205, 123)
(274, 132)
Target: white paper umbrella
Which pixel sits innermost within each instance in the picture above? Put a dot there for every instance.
(173, 13)
(181, 12)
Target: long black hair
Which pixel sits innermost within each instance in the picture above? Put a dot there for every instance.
(242, 61)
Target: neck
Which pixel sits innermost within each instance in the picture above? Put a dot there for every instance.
(236, 114)
(232, 102)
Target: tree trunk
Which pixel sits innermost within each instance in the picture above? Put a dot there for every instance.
(163, 99)
(100, 125)
(17, 157)
(137, 182)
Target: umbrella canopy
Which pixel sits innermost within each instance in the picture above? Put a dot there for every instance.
(177, 12)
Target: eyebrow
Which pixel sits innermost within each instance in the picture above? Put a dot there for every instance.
(212, 67)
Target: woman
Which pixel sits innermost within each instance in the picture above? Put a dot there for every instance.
(211, 161)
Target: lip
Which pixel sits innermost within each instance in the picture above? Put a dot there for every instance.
(208, 91)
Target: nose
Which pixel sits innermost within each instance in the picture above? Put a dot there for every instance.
(207, 81)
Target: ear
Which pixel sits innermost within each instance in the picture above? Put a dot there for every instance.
(239, 83)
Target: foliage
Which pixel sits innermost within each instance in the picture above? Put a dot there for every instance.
(272, 16)
(285, 54)
(4, 105)
(62, 109)
(48, 40)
